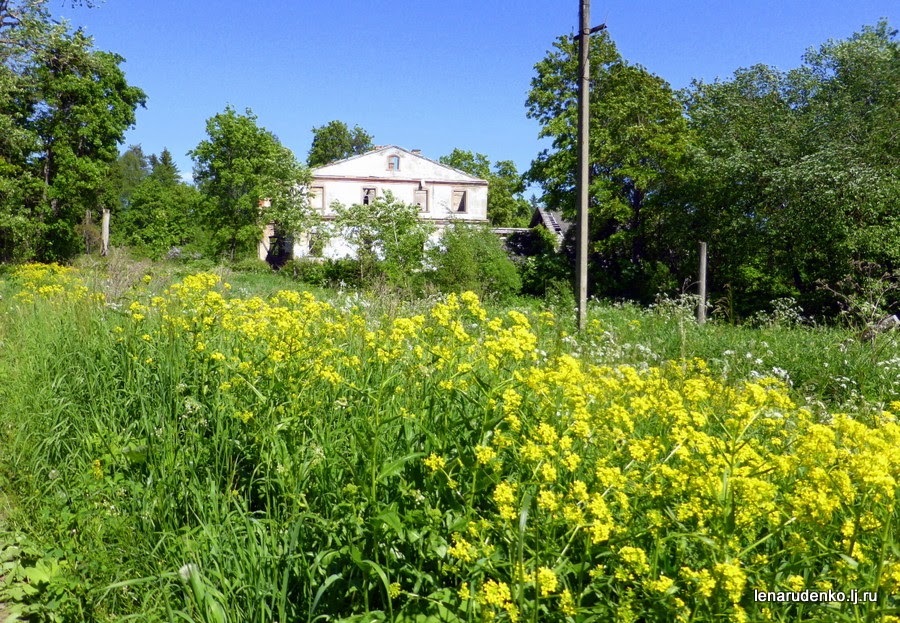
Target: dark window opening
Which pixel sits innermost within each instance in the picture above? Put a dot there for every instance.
(459, 201)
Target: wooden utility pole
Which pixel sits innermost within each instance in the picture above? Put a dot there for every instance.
(701, 308)
(584, 69)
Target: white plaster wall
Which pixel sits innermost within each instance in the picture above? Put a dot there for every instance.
(349, 192)
(344, 182)
(338, 248)
(375, 164)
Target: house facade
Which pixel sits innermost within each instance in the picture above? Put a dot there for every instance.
(443, 194)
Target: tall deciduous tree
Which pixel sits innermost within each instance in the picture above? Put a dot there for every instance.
(64, 107)
(797, 172)
(638, 143)
(250, 179)
(334, 141)
(506, 205)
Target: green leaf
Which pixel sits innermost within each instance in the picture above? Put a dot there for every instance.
(392, 520)
(331, 579)
(395, 467)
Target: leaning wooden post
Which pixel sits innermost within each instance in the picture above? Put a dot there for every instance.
(701, 307)
(86, 231)
(104, 235)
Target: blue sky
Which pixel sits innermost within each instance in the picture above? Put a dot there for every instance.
(420, 74)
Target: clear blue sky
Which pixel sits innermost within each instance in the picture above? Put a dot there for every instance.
(416, 73)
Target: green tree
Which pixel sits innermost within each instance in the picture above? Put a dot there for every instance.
(335, 141)
(64, 108)
(250, 179)
(163, 167)
(125, 173)
(506, 204)
(162, 211)
(639, 139)
(388, 236)
(795, 175)
(159, 217)
(468, 162)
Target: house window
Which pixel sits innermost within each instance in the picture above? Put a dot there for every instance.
(317, 198)
(368, 196)
(459, 201)
(393, 163)
(421, 200)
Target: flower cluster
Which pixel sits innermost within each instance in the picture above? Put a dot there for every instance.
(550, 485)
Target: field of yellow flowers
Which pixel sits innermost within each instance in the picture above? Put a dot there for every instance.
(193, 454)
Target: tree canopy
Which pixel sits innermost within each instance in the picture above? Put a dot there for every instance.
(250, 179)
(158, 211)
(335, 141)
(64, 108)
(387, 235)
(638, 142)
(791, 176)
(796, 175)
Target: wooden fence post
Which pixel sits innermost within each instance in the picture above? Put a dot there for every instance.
(701, 307)
(86, 231)
(104, 240)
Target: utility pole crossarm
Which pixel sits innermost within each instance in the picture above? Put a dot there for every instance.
(592, 31)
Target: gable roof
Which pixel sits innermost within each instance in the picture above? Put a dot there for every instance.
(333, 168)
(552, 220)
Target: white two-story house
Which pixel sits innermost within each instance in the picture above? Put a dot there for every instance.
(443, 194)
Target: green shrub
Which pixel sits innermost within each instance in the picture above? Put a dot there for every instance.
(472, 258)
(343, 272)
(335, 273)
(251, 265)
(309, 271)
(544, 270)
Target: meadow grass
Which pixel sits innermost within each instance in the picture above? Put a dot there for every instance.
(221, 447)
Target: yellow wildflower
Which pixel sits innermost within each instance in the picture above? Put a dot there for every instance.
(547, 580)
(435, 462)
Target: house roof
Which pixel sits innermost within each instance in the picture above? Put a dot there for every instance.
(323, 170)
(552, 220)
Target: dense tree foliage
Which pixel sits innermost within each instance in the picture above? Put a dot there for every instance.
(639, 138)
(125, 173)
(249, 179)
(796, 173)
(64, 107)
(792, 177)
(335, 141)
(163, 167)
(161, 211)
(507, 206)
